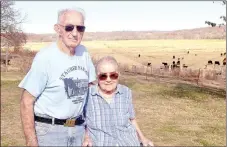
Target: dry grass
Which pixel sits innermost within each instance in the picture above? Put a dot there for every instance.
(154, 51)
(11, 134)
(179, 114)
(168, 113)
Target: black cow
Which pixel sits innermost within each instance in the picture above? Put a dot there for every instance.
(164, 63)
(210, 62)
(178, 62)
(173, 57)
(221, 54)
(148, 64)
(173, 62)
(184, 66)
(224, 61)
(217, 62)
(139, 55)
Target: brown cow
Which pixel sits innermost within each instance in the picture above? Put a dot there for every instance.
(224, 61)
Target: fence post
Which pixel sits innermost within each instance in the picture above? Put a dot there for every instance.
(198, 76)
(148, 65)
(6, 59)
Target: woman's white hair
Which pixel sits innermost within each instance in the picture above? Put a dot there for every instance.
(79, 10)
(107, 59)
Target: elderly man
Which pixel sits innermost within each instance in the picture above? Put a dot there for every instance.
(56, 86)
(110, 114)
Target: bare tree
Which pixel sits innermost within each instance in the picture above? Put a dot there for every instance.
(213, 24)
(11, 20)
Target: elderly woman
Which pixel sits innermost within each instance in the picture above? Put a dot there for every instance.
(110, 114)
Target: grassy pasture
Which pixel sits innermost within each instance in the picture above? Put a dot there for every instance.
(168, 112)
(154, 51)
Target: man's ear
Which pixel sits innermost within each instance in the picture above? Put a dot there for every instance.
(57, 29)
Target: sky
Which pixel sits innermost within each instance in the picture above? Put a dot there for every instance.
(123, 15)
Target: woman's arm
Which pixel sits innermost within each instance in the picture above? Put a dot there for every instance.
(142, 138)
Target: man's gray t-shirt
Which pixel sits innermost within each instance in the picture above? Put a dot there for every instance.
(59, 82)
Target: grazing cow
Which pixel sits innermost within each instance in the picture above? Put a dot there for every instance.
(224, 61)
(139, 55)
(184, 66)
(210, 62)
(148, 64)
(217, 62)
(164, 63)
(178, 62)
(174, 66)
(173, 57)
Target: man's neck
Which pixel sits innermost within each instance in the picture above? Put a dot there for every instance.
(66, 49)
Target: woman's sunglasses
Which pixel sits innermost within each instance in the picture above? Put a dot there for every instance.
(70, 28)
(104, 76)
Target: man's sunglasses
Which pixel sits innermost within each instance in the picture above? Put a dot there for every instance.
(70, 28)
(104, 76)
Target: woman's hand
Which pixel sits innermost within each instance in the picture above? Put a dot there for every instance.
(147, 142)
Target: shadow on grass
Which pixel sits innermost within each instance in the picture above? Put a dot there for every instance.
(180, 90)
(194, 92)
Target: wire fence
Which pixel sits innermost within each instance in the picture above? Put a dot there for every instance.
(215, 77)
(212, 77)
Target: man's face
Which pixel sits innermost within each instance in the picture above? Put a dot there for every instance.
(107, 76)
(71, 28)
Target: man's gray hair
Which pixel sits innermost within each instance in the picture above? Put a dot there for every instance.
(107, 59)
(79, 10)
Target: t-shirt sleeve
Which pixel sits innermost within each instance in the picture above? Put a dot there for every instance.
(36, 79)
(91, 70)
(131, 107)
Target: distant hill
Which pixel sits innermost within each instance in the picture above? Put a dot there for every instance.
(198, 33)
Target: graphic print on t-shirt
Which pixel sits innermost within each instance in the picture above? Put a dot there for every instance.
(75, 88)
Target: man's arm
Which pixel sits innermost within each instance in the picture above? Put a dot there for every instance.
(27, 118)
(142, 138)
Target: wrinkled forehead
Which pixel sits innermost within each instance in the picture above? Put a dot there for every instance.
(107, 67)
(71, 17)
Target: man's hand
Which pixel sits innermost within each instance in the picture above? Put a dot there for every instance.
(146, 142)
(87, 141)
(32, 142)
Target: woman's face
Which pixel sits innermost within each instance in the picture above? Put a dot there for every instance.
(107, 76)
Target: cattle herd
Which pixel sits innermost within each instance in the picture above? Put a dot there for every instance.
(177, 64)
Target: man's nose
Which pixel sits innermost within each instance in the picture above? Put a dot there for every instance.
(74, 31)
